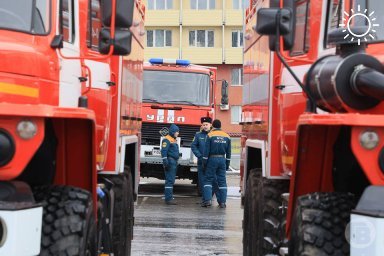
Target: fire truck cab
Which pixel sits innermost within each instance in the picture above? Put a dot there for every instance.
(178, 92)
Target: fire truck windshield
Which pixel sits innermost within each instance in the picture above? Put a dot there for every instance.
(176, 88)
(363, 13)
(25, 16)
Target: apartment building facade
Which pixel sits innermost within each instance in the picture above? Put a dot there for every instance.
(206, 32)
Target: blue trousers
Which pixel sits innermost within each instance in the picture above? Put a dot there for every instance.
(215, 186)
(170, 174)
(216, 167)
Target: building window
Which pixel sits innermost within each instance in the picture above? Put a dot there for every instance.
(237, 38)
(93, 34)
(68, 20)
(201, 38)
(159, 38)
(236, 114)
(237, 77)
(203, 4)
(240, 4)
(160, 4)
(301, 42)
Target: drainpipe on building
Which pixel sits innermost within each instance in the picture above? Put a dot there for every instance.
(181, 30)
(181, 42)
(223, 34)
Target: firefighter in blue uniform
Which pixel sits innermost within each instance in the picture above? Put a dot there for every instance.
(197, 147)
(170, 156)
(216, 160)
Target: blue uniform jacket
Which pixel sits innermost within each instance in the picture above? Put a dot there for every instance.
(198, 144)
(169, 148)
(218, 143)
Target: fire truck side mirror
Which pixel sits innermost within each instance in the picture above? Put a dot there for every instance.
(122, 42)
(270, 21)
(124, 13)
(57, 42)
(273, 21)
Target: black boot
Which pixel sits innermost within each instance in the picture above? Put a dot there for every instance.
(206, 204)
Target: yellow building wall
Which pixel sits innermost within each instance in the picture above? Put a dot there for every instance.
(197, 20)
(176, 4)
(233, 17)
(202, 17)
(200, 55)
(161, 52)
(233, 55)
(162, 18)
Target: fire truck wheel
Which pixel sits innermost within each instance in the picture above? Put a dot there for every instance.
(265, 215)
(319, 224)
(249, 219)
(122, 234)
(69, 226)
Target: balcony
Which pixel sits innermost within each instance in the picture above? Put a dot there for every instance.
(201, 55)
(234, 55)
(162, 18)
(234, 18)
(161, 52)
(202, 18)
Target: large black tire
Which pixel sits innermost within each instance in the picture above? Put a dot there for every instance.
(122, 227)
(263, 216)
(249, 219)
(69, 226)
(319, 224)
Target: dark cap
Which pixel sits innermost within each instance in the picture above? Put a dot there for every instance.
(206, 119)
(216, 123)
(173, 129)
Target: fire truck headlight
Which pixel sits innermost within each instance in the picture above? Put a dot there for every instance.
(26, 129)
(369, 139)
(7, 148)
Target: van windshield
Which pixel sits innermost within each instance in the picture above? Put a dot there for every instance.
(176, 88)
(25, 16)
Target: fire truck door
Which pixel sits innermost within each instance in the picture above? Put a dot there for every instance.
(70, 70)
(100, 100)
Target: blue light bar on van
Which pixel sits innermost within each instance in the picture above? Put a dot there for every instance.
(169, 61)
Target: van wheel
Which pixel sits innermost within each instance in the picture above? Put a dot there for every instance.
(69, 226)
(319, 224)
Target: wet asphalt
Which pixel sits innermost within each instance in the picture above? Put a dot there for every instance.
(186, 228)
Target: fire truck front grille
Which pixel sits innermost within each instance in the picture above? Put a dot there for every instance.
(150, 133)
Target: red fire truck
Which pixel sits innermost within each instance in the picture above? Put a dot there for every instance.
(70, 101)
(312, 147)
(178, 92)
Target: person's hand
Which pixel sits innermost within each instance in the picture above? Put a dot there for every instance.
(204, 163)
(165, 163)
